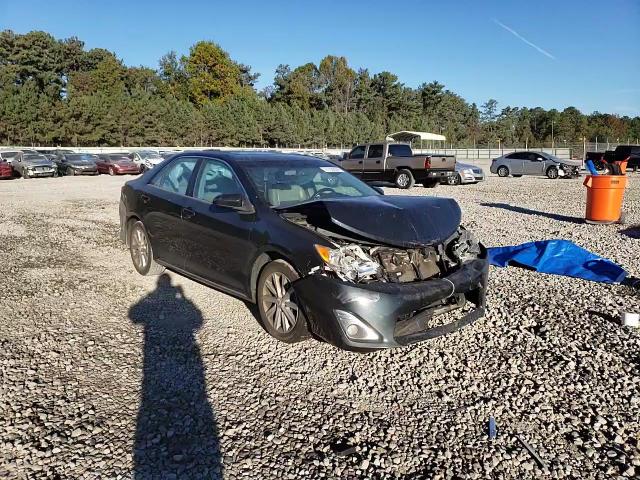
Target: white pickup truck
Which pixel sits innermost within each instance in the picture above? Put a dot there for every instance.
(395, 162)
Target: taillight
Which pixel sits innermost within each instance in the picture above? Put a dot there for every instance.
(427, 163)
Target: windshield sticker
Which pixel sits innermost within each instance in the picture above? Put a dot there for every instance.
(290, 172)
(331, 169)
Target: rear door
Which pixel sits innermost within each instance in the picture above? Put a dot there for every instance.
(355, 160)
(220, 246)
(515, 162)
(373, 166)
(162, 201)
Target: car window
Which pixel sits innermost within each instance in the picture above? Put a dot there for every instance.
(175, 176)
(357, 152)
(215, 178)
(534, 156)
(400, 151)
(375, 151)
(517, 155)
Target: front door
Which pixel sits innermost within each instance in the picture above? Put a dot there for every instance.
(220, 237)
(374, 163)
(534, 164)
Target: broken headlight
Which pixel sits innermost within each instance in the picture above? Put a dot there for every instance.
(465, 247)
(349, 262)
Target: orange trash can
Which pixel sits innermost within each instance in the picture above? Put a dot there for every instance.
(604, 197)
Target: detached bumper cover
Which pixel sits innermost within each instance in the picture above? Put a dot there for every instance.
(400, 313)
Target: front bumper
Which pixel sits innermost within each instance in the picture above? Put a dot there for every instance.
(400, 313)
(41, 172)
(86, 171)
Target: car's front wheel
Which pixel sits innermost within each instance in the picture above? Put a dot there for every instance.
(454, 179)
(112, 172)
(141, 252)
(278, 305)
(552, 173)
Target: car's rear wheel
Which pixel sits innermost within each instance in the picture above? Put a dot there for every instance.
(404, 179)
(141, 252)
(503, 171)
(454, 179)
(552, 173)
(278, 305)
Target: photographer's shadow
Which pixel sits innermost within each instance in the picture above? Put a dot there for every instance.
(176, 433)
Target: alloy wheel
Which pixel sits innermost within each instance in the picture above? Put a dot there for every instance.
(402, 180)
(139, 249)
(279, 303)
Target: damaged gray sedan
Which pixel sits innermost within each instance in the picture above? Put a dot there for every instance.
(321, 253)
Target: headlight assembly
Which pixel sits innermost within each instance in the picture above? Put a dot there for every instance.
(349, 262)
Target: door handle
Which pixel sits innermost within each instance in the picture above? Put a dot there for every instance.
(145, 198)
(360, 161)
(188, 213)
(377, 161)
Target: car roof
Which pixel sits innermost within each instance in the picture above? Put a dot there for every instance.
(243, 158)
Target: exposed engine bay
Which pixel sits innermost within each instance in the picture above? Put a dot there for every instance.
(362, 261)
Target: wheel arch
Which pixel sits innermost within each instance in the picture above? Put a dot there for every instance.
(261, 261)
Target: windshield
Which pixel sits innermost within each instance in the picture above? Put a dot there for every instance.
(82, 157)
(10, 155)
(553, 157)
(116, 156)
(33, 156)
(283, 184)
(149, 155)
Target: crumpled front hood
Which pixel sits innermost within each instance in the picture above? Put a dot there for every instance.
(400, 221)
(37, 163)
(571, 163)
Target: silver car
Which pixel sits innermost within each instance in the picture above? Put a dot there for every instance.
(30, 165)
(534, 163)
(465, 173)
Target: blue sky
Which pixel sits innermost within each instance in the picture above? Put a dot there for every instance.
(522, 53)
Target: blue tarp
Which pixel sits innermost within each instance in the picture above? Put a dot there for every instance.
(558, 257)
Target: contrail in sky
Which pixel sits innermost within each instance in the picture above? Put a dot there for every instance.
(517, 35)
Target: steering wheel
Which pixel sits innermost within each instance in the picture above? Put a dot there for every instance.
(319, 193)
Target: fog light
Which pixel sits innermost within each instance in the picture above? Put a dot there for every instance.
(356, 329)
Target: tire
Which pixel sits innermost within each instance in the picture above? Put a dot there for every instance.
(454, 179)
(552, 173)
(25, 175)
(503, 171)
(141, 252)
(404, 179)
(280, 314)
(70, 171)
(430, 184)
(112, 172)
(143, 168)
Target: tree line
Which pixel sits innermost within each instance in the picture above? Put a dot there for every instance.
(56, 92)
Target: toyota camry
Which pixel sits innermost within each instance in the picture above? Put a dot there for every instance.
(321, 253)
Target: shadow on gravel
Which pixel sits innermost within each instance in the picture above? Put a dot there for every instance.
(176, 433)
(633, 231)
(527, 211)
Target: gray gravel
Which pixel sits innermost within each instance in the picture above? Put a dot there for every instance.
(99, 379)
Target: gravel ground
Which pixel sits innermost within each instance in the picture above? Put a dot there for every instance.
(99, 380)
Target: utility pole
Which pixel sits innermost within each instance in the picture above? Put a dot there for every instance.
(552, 140)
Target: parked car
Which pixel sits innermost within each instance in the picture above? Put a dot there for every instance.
(603, 160)
(465, 173)
(77, 164)
(395, 162)
(146, 159)
(31, 165)
(9, 155)
(5, 170)
(534, 163)
(116, 164)
(321, 252)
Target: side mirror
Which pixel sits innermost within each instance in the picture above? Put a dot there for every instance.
(234, 201)
(379, 190)
(345, 156)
